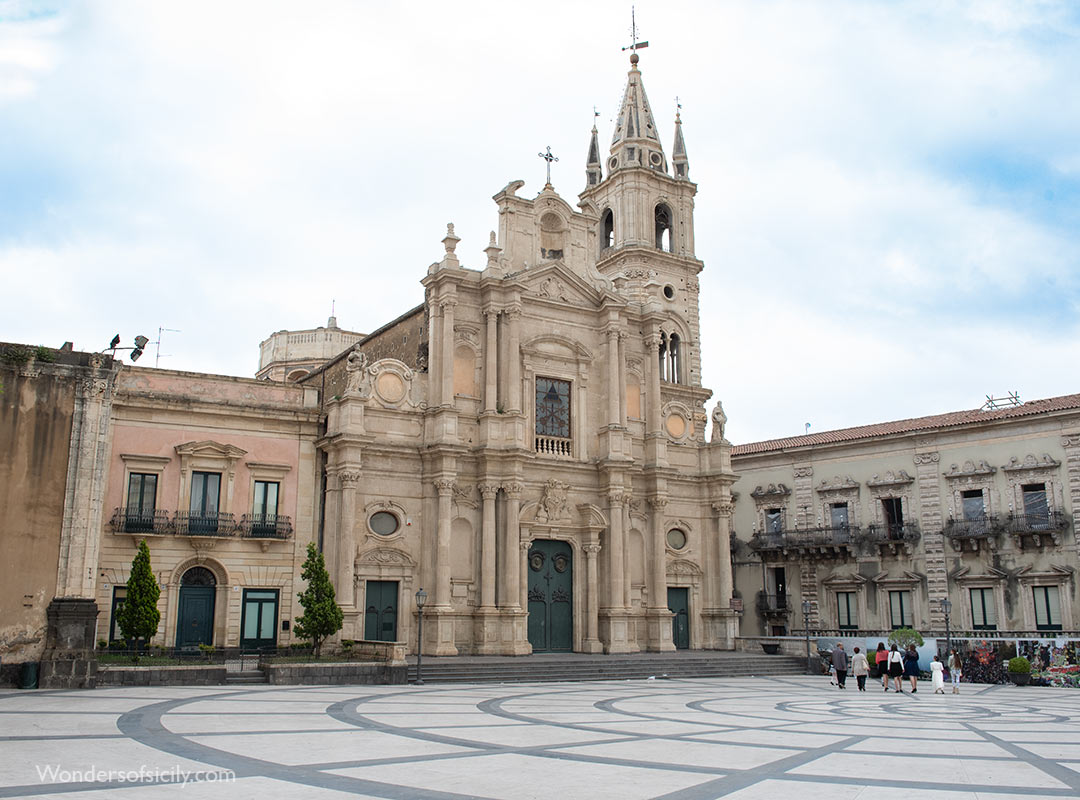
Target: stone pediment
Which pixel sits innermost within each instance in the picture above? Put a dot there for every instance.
(211, 448)
(556, 283)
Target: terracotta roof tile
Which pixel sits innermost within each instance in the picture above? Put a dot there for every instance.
(950, 420)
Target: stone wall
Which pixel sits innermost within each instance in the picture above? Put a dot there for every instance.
(201, 675)
(352, 673)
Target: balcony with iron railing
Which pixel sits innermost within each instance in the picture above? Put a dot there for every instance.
(773, 605)
(140, 521)
(1041, 528)
(266, 526)
(894, 537)
(973, 533)
(206, 523)
(823, 541)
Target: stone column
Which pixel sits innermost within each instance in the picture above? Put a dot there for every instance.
(652, 377)
(491, 360)
(445, 487)
(622, 379)
(616, 572)
(435, 355)
(658, 616)
(724, 586)
(346, 538)
(446, 371)
(511, 546)
(928, 481)
(488, 569)
(513, 371)
(614, 394)
(592, 611)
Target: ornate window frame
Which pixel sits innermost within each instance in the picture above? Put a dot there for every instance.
(1034, 470)
(208, 456)
(851, 582)
(390, 507)
(1059, 576)
(894, 484)
(844, 490)
(776, 495)
(973, 475)
(993, 579)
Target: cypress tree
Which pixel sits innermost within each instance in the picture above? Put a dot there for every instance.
(322, 615)
(138, 615)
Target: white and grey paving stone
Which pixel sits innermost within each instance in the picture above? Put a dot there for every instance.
(742, 738)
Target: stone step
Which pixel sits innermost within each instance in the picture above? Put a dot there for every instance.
(597, 668)
(247, 676)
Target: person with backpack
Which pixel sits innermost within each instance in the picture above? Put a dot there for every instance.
(896, 669)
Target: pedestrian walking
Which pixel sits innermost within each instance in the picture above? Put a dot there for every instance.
(881, 658)
(860, 668)
(956, 670)
(896, 668)
(840, 664)
(911, 667)
(937, 673)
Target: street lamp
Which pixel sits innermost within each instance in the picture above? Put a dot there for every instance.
(946, 607)
(421, 599)
(806, 627)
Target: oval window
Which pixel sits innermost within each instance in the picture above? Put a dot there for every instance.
(383, 523)
(669, 292)
(676, 539)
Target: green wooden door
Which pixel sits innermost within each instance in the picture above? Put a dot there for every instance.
(195, 623)
(678, 603)
(380, 614)
(258, 624)
(551, 597)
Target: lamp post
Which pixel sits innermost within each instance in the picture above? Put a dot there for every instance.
(806, 627)
(421, 599)
(946, 607)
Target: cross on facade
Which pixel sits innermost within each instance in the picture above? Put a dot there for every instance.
(548, 157)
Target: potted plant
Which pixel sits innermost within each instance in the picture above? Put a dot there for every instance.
(1019, 671)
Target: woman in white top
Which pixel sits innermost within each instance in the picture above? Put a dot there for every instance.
(937, 672)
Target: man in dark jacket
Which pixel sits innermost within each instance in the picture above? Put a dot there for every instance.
(840, 664)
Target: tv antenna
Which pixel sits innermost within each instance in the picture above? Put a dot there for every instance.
(157, 345)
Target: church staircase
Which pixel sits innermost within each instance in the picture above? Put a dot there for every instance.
(684, 664)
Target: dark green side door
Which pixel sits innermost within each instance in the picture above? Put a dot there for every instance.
(380, 615)
(258, 625)
(195, 624)
(678, 603)
(551, 606)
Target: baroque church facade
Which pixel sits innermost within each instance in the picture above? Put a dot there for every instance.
(528, 446)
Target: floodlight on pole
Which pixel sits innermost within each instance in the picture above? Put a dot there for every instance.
(136, 351)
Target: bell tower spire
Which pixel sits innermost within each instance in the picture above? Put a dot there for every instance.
(593, 174)
(678, 150)
(635, 142)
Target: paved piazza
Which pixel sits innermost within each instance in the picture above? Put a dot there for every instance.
(744, 738)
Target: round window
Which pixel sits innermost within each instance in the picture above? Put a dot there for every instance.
(676, 539)
(383, 523)
(614, 162)
(669, 292)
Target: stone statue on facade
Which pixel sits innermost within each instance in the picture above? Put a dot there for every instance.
(719, 420)
(356, 370)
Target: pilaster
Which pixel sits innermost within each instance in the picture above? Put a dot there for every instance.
(928, 481)
(658, 617)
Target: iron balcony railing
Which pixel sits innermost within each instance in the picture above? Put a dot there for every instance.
(266, 526)
(1045, 522)
(980, 527)
(210, 523)
(894, 533)
(773, 603)
(138, 520)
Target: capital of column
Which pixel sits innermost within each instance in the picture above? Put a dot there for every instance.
(612, 332)
(491, 312)
(512, 313)
(658, 502)
(616, 497)
(513, 489)
(447, 302)
(445, 486)
(349, 478)
(524, 545)
(927, 458)
(723, 508)
(488, 490)
(590, 549)
(651, 340)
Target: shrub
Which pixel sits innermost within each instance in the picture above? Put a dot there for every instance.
(322, 615)
(902, 637)
(1019, 666)
(138, 615)
(44, 354)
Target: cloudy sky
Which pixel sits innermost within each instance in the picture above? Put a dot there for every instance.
(888, 206)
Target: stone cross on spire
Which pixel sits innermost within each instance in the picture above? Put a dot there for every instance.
(548, 157)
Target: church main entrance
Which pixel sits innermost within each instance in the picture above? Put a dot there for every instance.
(551, 597)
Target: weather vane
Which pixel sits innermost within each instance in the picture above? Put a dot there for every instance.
(634, 43)
(548, 157)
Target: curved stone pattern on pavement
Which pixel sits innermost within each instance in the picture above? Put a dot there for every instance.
(745, 738)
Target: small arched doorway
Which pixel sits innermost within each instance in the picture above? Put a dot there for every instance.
(195, 618)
